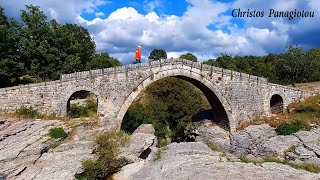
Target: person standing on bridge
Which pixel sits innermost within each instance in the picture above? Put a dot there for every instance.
(138, 54)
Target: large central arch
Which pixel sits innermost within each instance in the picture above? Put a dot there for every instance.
(217, 100)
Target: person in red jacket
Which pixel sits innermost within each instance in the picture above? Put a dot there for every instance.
(138, 54)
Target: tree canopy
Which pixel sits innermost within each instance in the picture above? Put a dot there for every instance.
(293, 66)
(36, 49)
(189, 56)
(158, 54)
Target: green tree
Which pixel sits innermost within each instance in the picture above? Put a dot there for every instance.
(293, 66)
(77, 47)
(35, 36)
(189, 56)
(169, 105)
(158, 54)
(102, 60)
(51, 49)
(36, 49)
(9, 51)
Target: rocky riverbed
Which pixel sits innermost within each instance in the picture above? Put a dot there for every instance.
(26, 152)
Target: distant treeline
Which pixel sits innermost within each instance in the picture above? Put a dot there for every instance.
(293, 66)
(34, 49)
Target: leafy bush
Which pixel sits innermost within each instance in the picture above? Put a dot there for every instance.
(77, 111)
(57, 133)
(108, 146)
(87, 110)
(27, 112)
(290, 128)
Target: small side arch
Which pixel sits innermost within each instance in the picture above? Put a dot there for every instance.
(275, 102)
(68, 94)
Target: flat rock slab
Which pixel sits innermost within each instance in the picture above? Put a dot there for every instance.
(25, 152)
(196, 161)
(278, 145)
(310, 139)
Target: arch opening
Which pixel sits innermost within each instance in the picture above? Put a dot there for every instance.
(215, 111)
(82, 104)
(276, 104)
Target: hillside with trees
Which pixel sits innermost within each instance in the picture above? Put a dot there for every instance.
(293, 66)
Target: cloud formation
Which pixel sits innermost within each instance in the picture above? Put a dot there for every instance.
(206, 28)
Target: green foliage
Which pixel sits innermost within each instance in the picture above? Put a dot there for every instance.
(159, 153)
(169, 105)
(244, 159)
(108, 148)
(89, 109)
(35, 49)
(77, 111)
(158, 54)
(103, 60)
(293, 66)
(214, 147)
(27, 112)
(163, 143)
(57, 133)
(310, 105)
(291, 128)
(190, 57)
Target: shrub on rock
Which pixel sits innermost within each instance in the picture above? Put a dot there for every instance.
(291, 128)
(57, 133)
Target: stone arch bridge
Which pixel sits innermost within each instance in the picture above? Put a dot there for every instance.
(234, 96)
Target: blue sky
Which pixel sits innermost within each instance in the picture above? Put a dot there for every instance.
(202, 27)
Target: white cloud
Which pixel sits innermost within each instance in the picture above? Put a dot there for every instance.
(99, 14)
(62, 10)
(150, 6)
(125, 28)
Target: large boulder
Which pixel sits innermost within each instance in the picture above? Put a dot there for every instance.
(141, 140)
(145, 129)
(206, 130)
(250, 140)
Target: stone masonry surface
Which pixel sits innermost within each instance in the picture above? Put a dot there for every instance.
(243, 96)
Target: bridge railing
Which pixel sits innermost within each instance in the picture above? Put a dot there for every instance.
(162, 62)
(151, 64)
